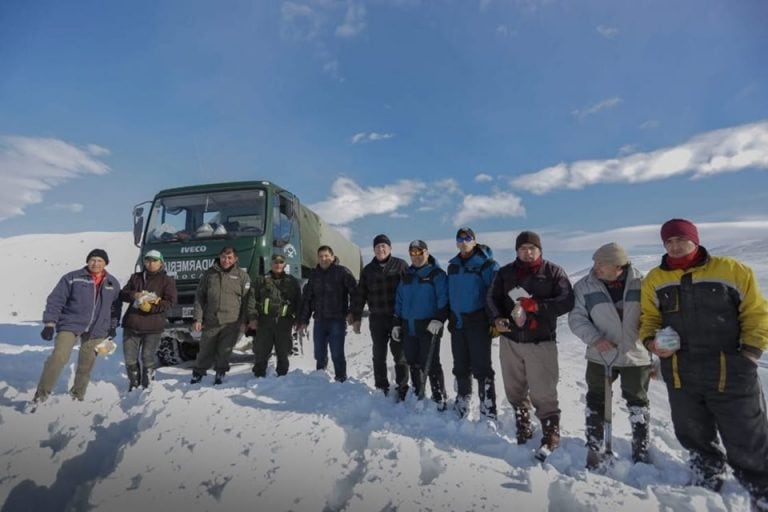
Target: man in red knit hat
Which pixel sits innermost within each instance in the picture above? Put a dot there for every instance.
(714, 305)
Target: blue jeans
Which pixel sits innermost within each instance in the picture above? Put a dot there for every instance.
(330, 332)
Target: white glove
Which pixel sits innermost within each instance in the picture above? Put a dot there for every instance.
(434, 327)
(396, 333)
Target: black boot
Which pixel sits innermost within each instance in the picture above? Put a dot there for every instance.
(486, 391)
(416, 375)
(133, 376)
(437, 385)
(551, 436)
(219, 378)
(523, 424)
(147, 376)
(640, 419)
(708, 471)
(595, 432)
(461, 405)
(196, 377)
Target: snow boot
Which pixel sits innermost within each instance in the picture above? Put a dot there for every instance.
(219, 378)
(196, 377)
(708, 471)
(437, 385)
(595, 432)
(416, 380)
(461, 405)
(523, 424)
(551, 436)
(133, 376)
(640, 419)
(147, 376)
(486, 392)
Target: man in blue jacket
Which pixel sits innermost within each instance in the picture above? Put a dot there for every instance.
(470, 274)
(421, 308)
(85, 305)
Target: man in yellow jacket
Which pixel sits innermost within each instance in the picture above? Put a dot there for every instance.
(714, 306)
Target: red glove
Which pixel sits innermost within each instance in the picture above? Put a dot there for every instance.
(529, 305)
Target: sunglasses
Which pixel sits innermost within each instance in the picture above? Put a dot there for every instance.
(415, 252)
(463, 239)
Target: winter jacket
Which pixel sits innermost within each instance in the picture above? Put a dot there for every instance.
(549, 285)
(221, 296)
(715, 306)
(421, 296)
(327, 293)
(377, 287)
(594, 316)
(468, 283)
(77, 305)
(153, 321)
(274, 296)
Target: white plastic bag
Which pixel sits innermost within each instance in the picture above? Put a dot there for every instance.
(667, 339)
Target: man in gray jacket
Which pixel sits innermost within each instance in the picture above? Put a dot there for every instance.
(606, 317)
(220, 312)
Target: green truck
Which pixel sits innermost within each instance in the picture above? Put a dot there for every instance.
(190, 225)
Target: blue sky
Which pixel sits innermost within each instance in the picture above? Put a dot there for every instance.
(586, 121)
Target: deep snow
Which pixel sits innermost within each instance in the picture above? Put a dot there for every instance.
(301, 442)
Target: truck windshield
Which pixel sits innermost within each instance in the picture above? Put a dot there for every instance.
(228, 214)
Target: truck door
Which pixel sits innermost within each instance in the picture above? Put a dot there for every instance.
(285, 232)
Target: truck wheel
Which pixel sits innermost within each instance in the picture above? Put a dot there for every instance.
(171, 352)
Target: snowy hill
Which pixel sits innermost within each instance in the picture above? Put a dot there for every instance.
(301, 442)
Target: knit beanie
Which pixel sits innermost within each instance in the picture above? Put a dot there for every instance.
(418, 244)
(381, 239)
(611, 254)
(466, 231)
(680, 227)
(528, 237)
(99, 253)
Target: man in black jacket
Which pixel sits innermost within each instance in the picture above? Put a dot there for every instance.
(326, 294)
(377, 287)
(524, 301)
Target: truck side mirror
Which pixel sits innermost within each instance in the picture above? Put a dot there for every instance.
(138, 225)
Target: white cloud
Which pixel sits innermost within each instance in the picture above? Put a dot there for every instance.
(300, 21)
(349, 201)
(67, 207)
(649, 124)
(597, 107)
(483, 178)
(627, 149)
(727, 150)
(354, 20)
(29, 166)
(500, 204)
(363, 137)
(607, 32)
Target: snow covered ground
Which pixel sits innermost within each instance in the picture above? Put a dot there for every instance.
(301, 442)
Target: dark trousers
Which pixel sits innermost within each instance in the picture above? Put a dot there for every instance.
(634, 386)
(330, 333)
(216, 344)
(725, 398)
(471, 349)
(140, 346)
(272, 333)
(417, 351)
(381, 328)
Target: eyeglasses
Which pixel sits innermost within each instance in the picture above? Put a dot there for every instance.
(415, 252)
(464, 239)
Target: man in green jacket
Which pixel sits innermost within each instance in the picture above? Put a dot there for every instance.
(272, 305)
(219, 312)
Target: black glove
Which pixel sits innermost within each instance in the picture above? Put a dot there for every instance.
(47, 333)
(112, 332)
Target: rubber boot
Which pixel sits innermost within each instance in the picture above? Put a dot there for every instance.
(640, 419)
(486, 392)
(437, 385)
(147, 376)
(551, 432)
(133, 376)
(595, 432)
(523, 424)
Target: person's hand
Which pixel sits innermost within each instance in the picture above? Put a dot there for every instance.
(356, 326)
(145, 307)
(397, 333)
(604, 345)
(502, 324)
(112, 332)
(650, 344)
(529, 305)
(197, 326)
(434, 327)
(47, 333)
